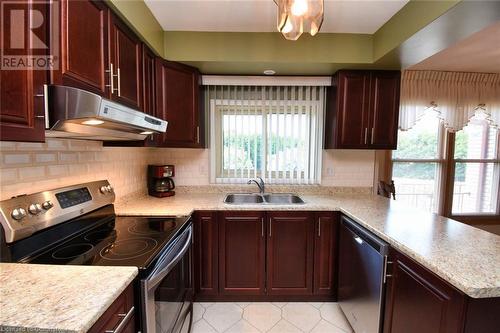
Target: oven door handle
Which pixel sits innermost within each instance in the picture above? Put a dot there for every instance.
(159, 273)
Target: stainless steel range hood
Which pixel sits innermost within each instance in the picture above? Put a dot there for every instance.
(79, 114)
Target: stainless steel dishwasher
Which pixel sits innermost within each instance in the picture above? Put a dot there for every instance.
(362, 266)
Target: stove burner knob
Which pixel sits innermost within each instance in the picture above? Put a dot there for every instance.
(18, 214)
(103, 189)
(109, 188)
(34, 209)
(47, 205)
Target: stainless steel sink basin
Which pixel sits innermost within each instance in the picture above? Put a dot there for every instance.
(282, 199)
(243, 198)
(271, 199)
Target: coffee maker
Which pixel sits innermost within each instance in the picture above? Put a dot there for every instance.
(160, 183)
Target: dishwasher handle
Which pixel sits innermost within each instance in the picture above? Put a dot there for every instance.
(361, 235)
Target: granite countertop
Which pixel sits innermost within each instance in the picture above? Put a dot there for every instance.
(48, 298)
(466, 257)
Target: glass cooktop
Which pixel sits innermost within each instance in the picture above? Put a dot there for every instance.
(123, 241)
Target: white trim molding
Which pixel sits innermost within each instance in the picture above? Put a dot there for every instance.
(229, 80)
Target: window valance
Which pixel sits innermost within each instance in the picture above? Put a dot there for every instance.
(455, 96)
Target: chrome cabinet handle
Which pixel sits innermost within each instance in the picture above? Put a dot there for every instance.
(387, 263)
(319, 227)
(270, 227)
(197, 134)
(119, 82)
(373, 130)
(123, 322)
(262, 226)
(366, 135)
(45, 105)
(111, 78)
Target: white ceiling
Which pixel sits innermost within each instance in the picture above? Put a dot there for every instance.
(347, 16)
(478, 53)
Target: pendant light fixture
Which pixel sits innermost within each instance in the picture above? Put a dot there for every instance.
(297, 16)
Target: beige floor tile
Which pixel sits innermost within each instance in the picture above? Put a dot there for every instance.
(262, 315)
(317, 305)
(206, 304)
(284, 326)
(221, 316)
(243, 304)
(198, 312)
(280, 304)
(302, 315)
(332, 313)
(242, 326)
(325, 327)
(201, 326)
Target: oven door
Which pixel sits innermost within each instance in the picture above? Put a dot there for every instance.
(167, 292)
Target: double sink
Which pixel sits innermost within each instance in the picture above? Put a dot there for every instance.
(263, 199)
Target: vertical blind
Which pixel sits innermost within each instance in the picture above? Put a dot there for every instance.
(273, 132)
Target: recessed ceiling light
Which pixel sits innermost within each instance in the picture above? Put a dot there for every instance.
(269, 72)
(146, 132)
(93, 122)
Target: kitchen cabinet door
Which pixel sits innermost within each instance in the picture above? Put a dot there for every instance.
(120, 313)
(178, 94)
(290, 244)
(418, 301)
(125, 51)
(348, 108)
(384, 109)
(241, 253)
(362, 110)
(325, 252)
(22, 114)
(149, 90)
(84, 46)
(206, 247)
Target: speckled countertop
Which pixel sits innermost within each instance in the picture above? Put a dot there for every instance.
(466, 257)
(49, 298)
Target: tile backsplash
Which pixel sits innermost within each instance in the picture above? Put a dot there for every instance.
(32, 167)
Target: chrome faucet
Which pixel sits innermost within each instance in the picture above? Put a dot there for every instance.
(260, 183)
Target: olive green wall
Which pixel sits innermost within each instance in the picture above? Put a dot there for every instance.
(251, 53)
(141, 20)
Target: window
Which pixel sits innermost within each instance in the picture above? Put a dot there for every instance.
(417, 163)
(270, 132)
(477, 169)
(467, 181)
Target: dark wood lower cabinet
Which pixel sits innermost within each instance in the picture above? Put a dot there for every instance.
(119, 315)
(290, 247)
(241, 253)
(419, 301)
(325, 252)
(206, 253)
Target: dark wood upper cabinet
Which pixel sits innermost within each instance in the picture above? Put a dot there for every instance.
(362, 110)
(290, 248)
(178, 95)
(83, 46)
(149, 84)
(242, 253)
(206, 255)
(22, 115)
(384, 106)
(419, 301)
(325, 252)
(125, 52)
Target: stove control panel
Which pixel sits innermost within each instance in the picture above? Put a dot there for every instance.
(23, 215)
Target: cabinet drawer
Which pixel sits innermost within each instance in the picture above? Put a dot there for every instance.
(119, 317)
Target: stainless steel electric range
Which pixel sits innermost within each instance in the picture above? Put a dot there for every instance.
(77, 225)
